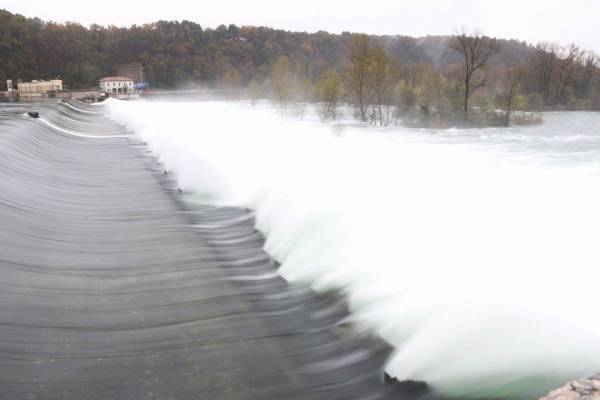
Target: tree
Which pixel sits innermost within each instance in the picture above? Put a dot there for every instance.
(513, 77)
(281, 83)
(476, 51)
(302, 88)
(381, 79)
(254, 91)
(358, 74)
(405, 98)
(329, 93)
(232, 78)
(568, 65)
(583, 86)
(434, 93)
(543, 64)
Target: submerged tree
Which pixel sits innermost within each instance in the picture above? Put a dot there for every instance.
(513, 78)
(476, 51)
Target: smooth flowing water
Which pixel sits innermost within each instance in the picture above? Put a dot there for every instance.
(114, 287)
(474, 252)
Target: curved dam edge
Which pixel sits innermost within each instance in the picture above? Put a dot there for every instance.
(115, 286)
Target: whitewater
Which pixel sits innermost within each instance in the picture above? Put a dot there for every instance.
(473, 252)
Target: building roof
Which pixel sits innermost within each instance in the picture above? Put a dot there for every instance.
(115, 79)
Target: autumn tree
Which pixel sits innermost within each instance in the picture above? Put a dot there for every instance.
(433, 93)
(281, 83)
(254, 91)
(381, 79)
(302, 88)
(476, 51)
(360, 60)
(405, 98)
(329, 94)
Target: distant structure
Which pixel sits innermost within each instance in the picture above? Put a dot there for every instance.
(133, 71)
(10, 91)
(38, 88)
(116, 85)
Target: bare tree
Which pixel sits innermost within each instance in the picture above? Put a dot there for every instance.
(477, 51)
(358, 74)
(544, 64)
(568, 64)
(585, 78)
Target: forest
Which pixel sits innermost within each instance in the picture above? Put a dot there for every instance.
(433, 80)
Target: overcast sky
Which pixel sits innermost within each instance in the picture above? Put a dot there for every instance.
(564, 21)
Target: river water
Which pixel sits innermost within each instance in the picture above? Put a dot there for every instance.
(473, 252)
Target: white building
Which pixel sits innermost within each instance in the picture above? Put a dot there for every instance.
(37, 88)
(116, 85)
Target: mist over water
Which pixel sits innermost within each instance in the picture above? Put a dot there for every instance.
(474, 252)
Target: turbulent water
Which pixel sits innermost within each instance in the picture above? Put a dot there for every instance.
(474, 252)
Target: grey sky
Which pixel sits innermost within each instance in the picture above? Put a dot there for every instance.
(564, 21)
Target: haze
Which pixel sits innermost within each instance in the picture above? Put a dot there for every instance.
(537, 20)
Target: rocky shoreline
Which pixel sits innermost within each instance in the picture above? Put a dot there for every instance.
(579, 389)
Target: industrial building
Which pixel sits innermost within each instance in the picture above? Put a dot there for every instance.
(39, 88)
(116, 85)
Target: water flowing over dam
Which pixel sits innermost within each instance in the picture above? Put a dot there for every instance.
(114, 287)
(473, 252)
(213, 250)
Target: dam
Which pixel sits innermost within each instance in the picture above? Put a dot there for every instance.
(114, 287)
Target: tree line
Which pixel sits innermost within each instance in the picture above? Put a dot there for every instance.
(478, 89)
(434, 80)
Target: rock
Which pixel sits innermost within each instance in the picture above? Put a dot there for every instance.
(580, 389)
(34, 114)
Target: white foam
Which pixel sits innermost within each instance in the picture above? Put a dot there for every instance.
(479, 264)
